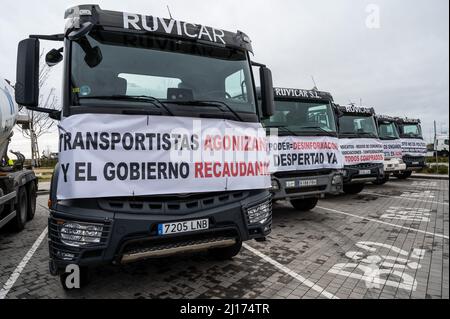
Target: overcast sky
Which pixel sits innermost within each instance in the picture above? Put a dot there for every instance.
(398, 63)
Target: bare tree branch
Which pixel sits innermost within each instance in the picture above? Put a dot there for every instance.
(41, 123)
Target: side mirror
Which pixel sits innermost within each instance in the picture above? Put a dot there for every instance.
(27, 73)
(53, 57)
(93, 57)
(339, 113)
(267, 98)
(76, 34)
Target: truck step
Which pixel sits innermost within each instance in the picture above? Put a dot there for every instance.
(167, 249)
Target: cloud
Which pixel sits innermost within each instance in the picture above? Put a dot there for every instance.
(400, 68)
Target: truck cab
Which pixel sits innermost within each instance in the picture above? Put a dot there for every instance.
(304, 147)
(137, 92)
(441, 145)
(361, 147)
(18, 184)
(390, 137)
(414, 148)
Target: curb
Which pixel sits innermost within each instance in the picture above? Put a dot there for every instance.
(425, 176)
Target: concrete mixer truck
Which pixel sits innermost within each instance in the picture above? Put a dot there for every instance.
(18, 186)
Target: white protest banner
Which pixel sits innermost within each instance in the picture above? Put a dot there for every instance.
(291, 153)
(361, 150)
(107, 155)
(392, 148)
(414, 147)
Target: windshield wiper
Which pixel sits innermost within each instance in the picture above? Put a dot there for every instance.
(284, 128)
(367, 134)
(388, 137)
(153, 100)
(318, 128)
(209, 103)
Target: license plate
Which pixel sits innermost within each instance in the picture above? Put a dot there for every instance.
(364, 172)
(415, 163)
(290, 184)
(307, 182)
(183, 227)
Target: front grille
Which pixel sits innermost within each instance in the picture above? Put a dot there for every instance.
(408, 158)
(311, 173)
(170, 205)
(71, 249)
(363, 166)
(308, 189)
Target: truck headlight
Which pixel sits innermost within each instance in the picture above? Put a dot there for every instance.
(336, 180)
(74, 234)
(259, 213)
(275, 185)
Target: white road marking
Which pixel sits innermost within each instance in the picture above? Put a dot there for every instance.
(382, 222)
(407, 213)
(400, 197)
(378, 269)
(16, 273)
(291, 273)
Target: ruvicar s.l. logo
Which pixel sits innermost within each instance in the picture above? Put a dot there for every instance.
(170, 26)
(281, 92)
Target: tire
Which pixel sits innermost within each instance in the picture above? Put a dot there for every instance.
(304, 205)
(381, 181)
(84, 279)
(21, 209)
(32, 193)
(404, 175)
(353, 188)
(225, 253)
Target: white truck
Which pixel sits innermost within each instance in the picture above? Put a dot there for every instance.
(414, 148)
(441, 145)
(161, 143)
(18, 186)
(392, 145)
(361, 147)
(306, 163)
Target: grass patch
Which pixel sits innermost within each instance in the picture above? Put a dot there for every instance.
(440, 159)
(44, 173)
(441, 170)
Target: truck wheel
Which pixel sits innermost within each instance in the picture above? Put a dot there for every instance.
(305, 204)
(31, 201)
(21, 209)
(84, 279)
(404, 175)
(225, 253)
(353, 188)
(381, 181)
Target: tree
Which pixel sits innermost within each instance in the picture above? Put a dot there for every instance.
(40, 123)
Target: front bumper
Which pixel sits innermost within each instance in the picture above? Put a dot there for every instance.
(314, 186)
(363, 173)
(414, 163)
(394, 165)
(123, 233)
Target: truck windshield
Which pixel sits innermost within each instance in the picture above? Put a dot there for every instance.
(357, 126)
(302, 118)
(115, 65)
(387, 131)
(410, 131)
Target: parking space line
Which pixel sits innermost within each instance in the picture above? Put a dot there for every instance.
(382, 222)
(16, 273)
(400, 197)
(291, 273)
